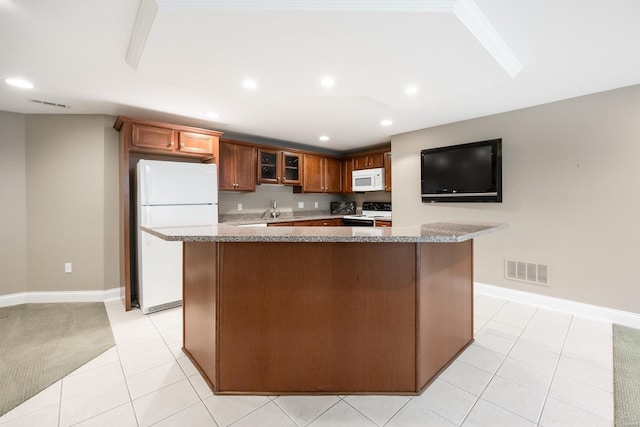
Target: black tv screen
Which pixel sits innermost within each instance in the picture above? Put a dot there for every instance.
(462, 173)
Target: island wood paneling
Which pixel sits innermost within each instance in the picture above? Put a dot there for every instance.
(317, 317)
(199, 306)
(445, 305)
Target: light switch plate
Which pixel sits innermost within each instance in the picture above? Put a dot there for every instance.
(239, 206)
(300, 205)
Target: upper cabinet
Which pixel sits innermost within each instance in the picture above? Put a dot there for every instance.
(347, 168)
(237, 167)
(279, 167)
(322, 174)
(157, 138)
(369, 161)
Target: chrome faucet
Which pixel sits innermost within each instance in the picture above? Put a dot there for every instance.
(275, 213)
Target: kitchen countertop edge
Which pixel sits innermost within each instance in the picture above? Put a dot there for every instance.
(424, 233)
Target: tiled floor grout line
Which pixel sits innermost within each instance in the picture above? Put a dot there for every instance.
(501, 363)
(555, 370)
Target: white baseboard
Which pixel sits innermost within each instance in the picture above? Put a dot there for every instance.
(62, 296)
(620, 317)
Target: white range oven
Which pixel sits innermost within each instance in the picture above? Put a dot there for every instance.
(370, 212)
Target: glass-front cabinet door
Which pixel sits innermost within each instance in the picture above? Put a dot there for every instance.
(279, 167)
(291, 171)
(268, 166)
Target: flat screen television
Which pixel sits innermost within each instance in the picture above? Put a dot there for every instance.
(462, 173)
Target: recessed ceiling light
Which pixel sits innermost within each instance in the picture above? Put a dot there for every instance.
(19, 83)
(411, 90)
(386, 122)
(324, 138)
(327, 81)
(212, 115)
(249, 84)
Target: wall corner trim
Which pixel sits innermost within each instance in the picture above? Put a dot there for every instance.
(64, 296)
(596, 312)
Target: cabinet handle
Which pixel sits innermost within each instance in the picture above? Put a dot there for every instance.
(181, 144)
(171, 144)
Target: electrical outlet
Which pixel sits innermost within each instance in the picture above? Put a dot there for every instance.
(300, 205)
(67, 267)
(316, 205)
(239, 206)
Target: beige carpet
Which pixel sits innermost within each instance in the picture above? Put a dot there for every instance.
(41, 343)
(626, 376)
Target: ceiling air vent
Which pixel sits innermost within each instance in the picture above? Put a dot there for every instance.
(526, 272)
(50, 104)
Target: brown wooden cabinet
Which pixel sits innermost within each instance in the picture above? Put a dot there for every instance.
(383, 223)
(237, 167)
(347, 168)
(279, 167)
(331, 222)
(368, 161)
(387, 171)
(149, 138)
(280, 224)
(322, 174)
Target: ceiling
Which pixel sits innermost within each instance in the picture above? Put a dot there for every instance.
(180, 60)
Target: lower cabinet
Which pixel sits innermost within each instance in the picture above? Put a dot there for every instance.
(331, 222)
(383, 223)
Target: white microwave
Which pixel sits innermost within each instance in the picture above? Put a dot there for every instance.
(367, 180)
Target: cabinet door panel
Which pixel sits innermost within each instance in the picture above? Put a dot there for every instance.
(291, 168)
(347, 168)
(333, 175)
(268, 166)
(196, 143)
(387, 171)
(245, 168)
(153, 137)
(313, 174)
(227, 168)
(376, 160)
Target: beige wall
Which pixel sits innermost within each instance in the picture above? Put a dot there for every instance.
(13, 226)
(571, 195)
(72, 202)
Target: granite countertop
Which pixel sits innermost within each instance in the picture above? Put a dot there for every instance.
(425, 233)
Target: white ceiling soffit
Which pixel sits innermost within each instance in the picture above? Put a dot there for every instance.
(465, 10)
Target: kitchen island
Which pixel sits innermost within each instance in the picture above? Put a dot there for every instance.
(304, 310)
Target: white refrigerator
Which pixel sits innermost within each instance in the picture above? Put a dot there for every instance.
(169, 194)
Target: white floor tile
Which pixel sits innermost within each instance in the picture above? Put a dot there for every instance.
(583, 396)
(93, 402)
(503, 329)
(486, 414)
(47, 397)
(200, 385)
(194, 416)
(535, 355)
(467, 377)
(304, 409)
(515, 398)
(43, 417)
(481, 358)
(135, 347)
(121, 416)
(587, 373)
(560, 414)
(269, 415)
(522, 373)
(165, 402)
(228, 409)
(154, 379)
(479, 322)
(147, 360)
(594, 349)
(83, 382)
(176, 348)
(515, 314)
(133, 330)
(186, 365)
(487, 306)
(106, 358)
(447, 400)
(342, 414)
(171, 334)
(418, 414)
(493, 342)
(378, 408)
